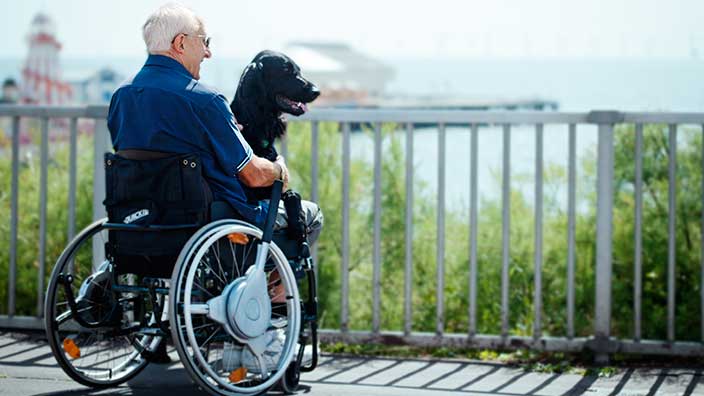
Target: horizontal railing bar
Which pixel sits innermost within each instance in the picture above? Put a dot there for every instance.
(394, 115)
(454, 340)
(54, 111)
(441, 116)
(663, 118)
(21, 322)
(489, 341)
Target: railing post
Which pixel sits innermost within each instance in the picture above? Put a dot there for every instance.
(43, 187)
(604, 219)
(345, 283)
(101, 143)
(14, 216)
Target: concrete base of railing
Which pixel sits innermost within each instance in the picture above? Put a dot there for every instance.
(483, 341)
(21, 322)
(454, 340)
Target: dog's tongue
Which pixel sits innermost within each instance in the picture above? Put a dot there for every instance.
(303, 107)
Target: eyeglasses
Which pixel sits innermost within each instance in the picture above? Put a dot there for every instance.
(206, 39)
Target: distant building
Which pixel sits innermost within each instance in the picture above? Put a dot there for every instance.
(344, 76)
(10, 92)
(97, 88)
(41, 74)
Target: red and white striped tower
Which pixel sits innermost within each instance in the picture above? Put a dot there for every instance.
(41, 76)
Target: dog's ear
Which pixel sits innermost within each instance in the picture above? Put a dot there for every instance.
(260, 77)
(252, 82)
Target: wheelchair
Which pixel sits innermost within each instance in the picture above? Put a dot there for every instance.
(229, 300)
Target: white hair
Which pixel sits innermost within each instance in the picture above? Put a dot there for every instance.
(165, 23)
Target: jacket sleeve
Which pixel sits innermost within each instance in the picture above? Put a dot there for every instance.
(231, 150)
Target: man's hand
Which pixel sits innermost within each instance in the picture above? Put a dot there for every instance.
(260, 172)
(284, 171)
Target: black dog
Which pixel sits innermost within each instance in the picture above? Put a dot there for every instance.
(270, 86)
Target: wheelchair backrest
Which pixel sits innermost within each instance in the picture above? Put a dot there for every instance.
(167, 191)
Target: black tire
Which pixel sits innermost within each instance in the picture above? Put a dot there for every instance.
(94, 357)
(290, 381)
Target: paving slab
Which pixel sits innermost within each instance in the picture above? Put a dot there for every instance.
(28, 368)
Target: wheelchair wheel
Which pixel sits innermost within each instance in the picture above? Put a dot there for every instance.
(96, 342)
(221, 360)
(289, 382)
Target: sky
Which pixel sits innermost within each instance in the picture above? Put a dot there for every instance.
(384, 28)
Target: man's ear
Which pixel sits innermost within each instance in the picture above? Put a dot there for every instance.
(177, 44)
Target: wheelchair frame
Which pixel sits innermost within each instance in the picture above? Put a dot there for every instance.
(154, 331)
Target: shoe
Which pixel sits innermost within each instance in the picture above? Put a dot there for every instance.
(272, 354)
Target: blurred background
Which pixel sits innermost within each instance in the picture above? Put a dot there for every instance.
(629, 55)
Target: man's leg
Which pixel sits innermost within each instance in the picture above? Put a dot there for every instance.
(312, 216)
(313, 220)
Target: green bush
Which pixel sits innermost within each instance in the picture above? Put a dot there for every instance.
(29, 218)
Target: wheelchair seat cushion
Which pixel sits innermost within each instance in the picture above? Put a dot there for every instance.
(168, 191)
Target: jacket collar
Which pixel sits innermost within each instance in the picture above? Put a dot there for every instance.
(167, 62)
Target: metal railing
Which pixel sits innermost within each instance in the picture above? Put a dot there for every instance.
(601, 341)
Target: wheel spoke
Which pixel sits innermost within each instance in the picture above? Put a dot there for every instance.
(212, 271)
(203, 289)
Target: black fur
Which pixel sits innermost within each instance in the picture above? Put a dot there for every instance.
(270, 86)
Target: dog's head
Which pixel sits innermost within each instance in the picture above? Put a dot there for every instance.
(274, 82)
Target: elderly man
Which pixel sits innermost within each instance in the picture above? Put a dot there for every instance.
(165, 109)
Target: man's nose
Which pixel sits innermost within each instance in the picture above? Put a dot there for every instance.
(208, 54)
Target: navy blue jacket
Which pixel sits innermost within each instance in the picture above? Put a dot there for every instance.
(163, 108)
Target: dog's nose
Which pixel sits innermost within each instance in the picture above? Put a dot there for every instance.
(315, 91)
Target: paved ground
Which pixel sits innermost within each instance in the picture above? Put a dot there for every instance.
(28, 368)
